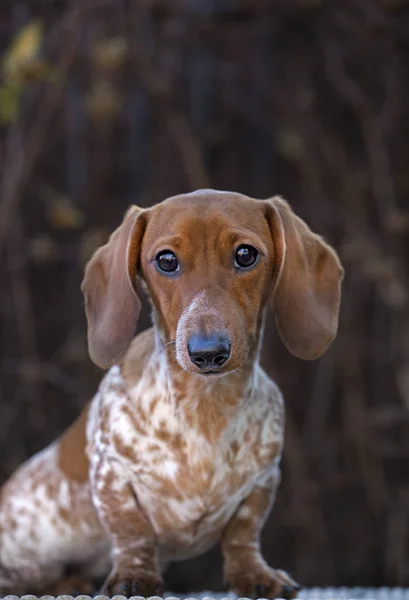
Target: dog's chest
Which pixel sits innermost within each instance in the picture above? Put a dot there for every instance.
(188, 485)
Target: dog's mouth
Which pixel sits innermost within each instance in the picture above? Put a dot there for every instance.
(211, 372)
(214, 372)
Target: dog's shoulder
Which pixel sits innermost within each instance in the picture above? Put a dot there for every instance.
(72, 455)
(125, 407)
(267, 390)
(268, 409)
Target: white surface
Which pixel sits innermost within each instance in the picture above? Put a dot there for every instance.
(305, 594)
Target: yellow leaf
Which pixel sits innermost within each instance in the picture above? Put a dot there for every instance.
(63, 214)
(24, 48)
(110, 53)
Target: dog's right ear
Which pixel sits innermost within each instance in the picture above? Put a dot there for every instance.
(111, 303)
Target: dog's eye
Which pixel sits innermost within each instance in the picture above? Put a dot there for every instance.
(246, 256)
(166, 261)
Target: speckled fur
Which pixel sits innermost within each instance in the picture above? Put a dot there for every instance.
(203, 480)
(164, 462)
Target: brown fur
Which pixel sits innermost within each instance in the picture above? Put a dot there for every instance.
(73, 460)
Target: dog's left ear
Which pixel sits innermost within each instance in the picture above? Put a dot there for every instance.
(111, 303)
(307, 287)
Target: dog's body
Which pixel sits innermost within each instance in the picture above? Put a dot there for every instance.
(168, 459)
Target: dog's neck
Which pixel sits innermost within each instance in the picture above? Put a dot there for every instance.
(208, 404)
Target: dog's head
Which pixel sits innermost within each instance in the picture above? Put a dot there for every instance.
(211, 262)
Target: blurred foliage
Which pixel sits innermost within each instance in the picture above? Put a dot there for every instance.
(22, 64)
(104, 104)
(24, 51)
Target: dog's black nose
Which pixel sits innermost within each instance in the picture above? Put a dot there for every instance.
(208, 351)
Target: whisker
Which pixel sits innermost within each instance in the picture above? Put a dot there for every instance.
(167, 344)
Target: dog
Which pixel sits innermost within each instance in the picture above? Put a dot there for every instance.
(180, 448)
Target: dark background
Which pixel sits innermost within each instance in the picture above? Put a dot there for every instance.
(133, 101)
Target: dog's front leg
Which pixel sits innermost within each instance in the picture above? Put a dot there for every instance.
(245, 569)
(134, 553)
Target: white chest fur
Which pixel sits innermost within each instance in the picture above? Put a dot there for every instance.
(188, 485)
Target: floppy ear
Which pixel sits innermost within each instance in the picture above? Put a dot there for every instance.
(111, 303)
(307, 289)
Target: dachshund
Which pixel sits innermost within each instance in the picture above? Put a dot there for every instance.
(180, 447)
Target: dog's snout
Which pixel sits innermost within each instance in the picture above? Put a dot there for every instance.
(208, 351)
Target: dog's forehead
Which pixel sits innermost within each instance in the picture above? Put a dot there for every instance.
(205, 211)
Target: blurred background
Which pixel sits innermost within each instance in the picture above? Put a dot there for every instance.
(108, 103)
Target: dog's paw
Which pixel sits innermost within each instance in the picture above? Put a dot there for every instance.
(133, 583)
(263, 582)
